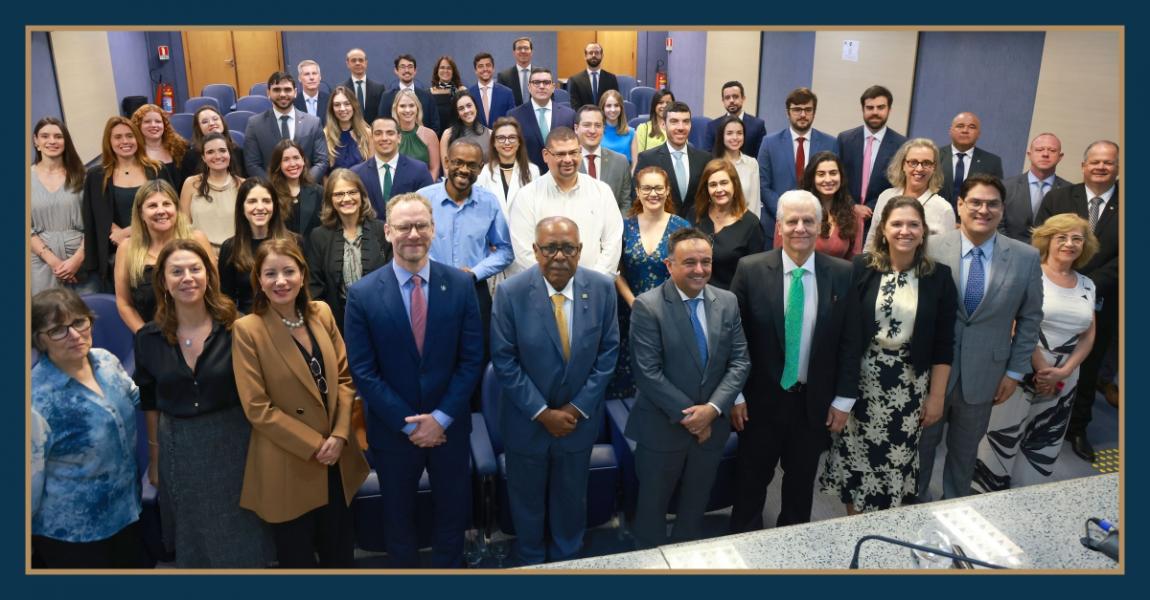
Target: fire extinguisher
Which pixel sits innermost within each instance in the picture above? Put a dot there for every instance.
(166, 97)
(660, 76)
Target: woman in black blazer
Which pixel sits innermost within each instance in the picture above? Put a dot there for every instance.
(908, 307)
(349, 230)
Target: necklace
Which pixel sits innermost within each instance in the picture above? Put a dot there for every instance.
(299, 322)
(506, 168)
(188, 343)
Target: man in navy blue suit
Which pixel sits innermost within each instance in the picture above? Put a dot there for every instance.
(783, 154)
(554, 341)
(754, 127)
(493, 99)
(365, 90)
(541, 110)
(407, 174)
(405, 70)
(868, 148)
(415, 351)
(312, 99)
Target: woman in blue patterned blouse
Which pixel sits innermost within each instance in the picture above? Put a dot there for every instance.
(85, 493)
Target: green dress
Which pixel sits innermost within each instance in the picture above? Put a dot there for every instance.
(410, 145)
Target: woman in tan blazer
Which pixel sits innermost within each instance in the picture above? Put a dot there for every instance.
(304, 465)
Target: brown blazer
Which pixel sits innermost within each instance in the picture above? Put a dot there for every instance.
(282, 478)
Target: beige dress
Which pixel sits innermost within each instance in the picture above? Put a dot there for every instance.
(215, 213)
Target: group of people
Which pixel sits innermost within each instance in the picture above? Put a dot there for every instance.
(332, 290)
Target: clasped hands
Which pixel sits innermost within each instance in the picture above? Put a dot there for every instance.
(428, 432)
(560, 421)
(328, 453)
(698, 420)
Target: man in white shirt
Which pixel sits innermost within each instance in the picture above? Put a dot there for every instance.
(603, 164)
(312, 98)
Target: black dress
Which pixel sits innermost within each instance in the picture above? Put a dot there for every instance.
(741, 238)
(143, 295)
(234, 283)
(445, 105)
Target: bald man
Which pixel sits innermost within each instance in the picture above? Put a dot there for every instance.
(961, 159)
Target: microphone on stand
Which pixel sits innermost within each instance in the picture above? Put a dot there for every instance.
(959, 558)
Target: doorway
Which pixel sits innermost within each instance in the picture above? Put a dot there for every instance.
(240, 58)
(620, 50)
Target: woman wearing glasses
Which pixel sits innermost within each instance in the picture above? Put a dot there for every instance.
(507, 168)
(85, 494)
(197, 433)
(304, 465)
(914, 172)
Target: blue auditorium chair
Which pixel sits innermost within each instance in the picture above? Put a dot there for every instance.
(182, 123)
(563, 96)
(237, 137)
(626, 84)
(195, 102)
(630, 110)
(641, 96)
(639, 120)
(224, 94)
(699, 132)
(254, 104)
(237, 120)
(258, 89)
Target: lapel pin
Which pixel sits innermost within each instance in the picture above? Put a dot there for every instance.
(583, 295)
(443, 288)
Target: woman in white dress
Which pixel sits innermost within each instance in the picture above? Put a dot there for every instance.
(507, 170)
(914, 172)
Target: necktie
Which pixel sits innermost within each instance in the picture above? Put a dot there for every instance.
(959, 177)
(486, 93)
(359, 95)
(800, 162)
(796, 300)
(975, 282)
(284, 132)
(386, 182)
(595, 87)
(680, 175)
(866, 168)
(1037, 193)
(311, 107)
(1095, 209)
(700, 337)
(544, 126)
(591, 166)
(557, 301)
(523, 75)
(418, 312)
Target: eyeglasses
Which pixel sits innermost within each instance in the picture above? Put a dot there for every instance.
(541, 82)
(506, 139)
(550, 250)
(568, 154)
(647, 190)
(977, 204)
(421, 227)
(60, 332)
(459, 164)
(914, 164)
(1063, 239)
(317, 374)
(347, 194)
(802, 110)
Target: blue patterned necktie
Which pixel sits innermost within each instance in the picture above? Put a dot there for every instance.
(796, 301)
(700, 337)
(975, 282)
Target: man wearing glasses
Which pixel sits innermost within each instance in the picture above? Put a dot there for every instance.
(999, 283)
(554, 343)
(566, 192)
(783, 155)
(540, 116)
(389, 173)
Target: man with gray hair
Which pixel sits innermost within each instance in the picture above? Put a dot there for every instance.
(312, 98)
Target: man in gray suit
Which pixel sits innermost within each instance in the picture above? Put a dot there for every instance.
(1024, 193)
(961, 159)
(283, 121)
(999, 283)
(690, 361)
(601, 163)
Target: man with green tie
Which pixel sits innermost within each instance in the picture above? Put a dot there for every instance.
(389, 173)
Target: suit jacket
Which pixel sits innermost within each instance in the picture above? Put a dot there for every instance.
(852, 146)
(528, 358)
(561, 116)
(502, 101)
(321, 104)
(670, 374)
(98, 212)
(393, 378)
(305, 217)
(754, 130)
(426, 101)
(615, 171)
(981, 162)
(509, 77)
(1103, 268)
(410, 175)
(777, 168)
(660, 156)
(1018, 216)
(372, 91)
(835, 348)
(263, 133)
(984, 347)
(290, 421)
(579, 86)
(932, 340)
(325, 262)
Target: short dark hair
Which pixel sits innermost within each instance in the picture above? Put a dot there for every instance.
(875, 91)
(589, 108)
(560, 134)
(684, 234)
(679, 107)
(52, 306)
(407, 57)
(802, 95)
(522, 39)
(481, 56)
(279, 77)
(982, 179)
(535, 70)
(742, 92)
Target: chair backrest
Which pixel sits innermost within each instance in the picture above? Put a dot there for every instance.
(237, 120)
(699, 132)
(638, 121)
(224, 93)
(629, 110)
(195, 102)
(626, 84)
(258, 89)
(129, 104)
(109, 331)
(641, 96)
(490, 397)
(323, 85)
(562, 95)
(237, 136)
(182, 123)
(254, 104)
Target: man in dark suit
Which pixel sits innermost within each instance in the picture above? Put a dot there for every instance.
(603, 164)
(415, 351)
(588, 85)
(541, 111)
(754, 128)
(406, 174)
(961, 158)
(405, 71)
(518, 76)
(690, 363)
(801, 324)
(283, 121)
(1024, 193)
(554, 342)
(867, 149)
(1096, 200)
(677, 152)
(312, 99)
(493, 100)
(366, 91)
(783, 155)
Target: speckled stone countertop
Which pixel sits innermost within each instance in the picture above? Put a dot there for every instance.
(1036, 527)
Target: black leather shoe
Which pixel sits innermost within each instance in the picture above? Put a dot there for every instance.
(1082, 447)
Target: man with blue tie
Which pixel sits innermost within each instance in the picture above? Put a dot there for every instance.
(415, 351)
(312, 98)
(999, 283)
(960, 158)
(588, 85)
(868, 148)
(495, 99)
(366, 91)
(554, 342)
(690, 362)
(539, 115)
(517, 76)
(389, 173)
(1024, 193)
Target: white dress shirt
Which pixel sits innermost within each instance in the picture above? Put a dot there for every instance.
(290, 114)
(568, 293)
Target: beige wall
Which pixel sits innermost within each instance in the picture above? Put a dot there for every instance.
(731, 56)
(885, 58)
(87, 86)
